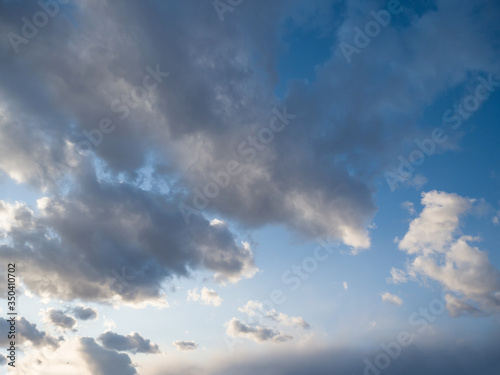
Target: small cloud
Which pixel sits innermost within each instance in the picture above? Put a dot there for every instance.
(133, 343)
(254, 308)
(388, 297)
(109, 324)
(496, 219)
(409, 206)
(185, 346)
(397, 276)
(417, 182)
(85, 313)
(258, 334)
(60, 319)
(345, 285)
(458, 307)
(207, 296)
(373, 324)
(216, 222)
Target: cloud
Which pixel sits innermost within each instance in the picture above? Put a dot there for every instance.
(84, 313)
(108, 324)
(207, 296)
(28, 332)
(101, 361)
(256, 308)
(107, 241)
(60, 319)
(3, 360)
(397, 276)
(388, 297)
(344, 284)
(14, 215)
(442, 253)
(458, 307)
(192, 122)
(133, 343)
(185, 346)
(416, 182)
(409, 206)
(496, 219)
(259, 334)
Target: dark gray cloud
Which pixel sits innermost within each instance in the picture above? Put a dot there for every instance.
(84, 313)
(60, 319)
(103, 361)
(3, 360)
(185, 346)
(104, 241)
(27, 331)
(133, 343)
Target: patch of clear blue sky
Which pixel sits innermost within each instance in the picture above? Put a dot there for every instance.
(11, 191)
(304, 49)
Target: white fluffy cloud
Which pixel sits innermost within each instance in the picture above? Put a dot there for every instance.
(388, 297)
(207, 296)
(397, 276)
(441, 252)
(257, 309)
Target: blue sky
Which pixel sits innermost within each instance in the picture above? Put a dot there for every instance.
(220, 187)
